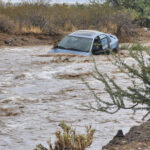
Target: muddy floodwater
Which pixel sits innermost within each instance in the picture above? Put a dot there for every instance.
(39, 91)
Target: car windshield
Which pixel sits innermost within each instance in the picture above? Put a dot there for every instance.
(75, 43)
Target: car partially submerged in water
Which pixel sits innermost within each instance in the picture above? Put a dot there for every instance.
(87, 42)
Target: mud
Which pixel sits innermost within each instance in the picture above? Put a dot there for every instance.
(137, 138)
(26, 39)
(37, 91)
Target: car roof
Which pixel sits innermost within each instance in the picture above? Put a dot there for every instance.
(86, 33)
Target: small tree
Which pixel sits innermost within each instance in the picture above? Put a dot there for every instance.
(135, 97)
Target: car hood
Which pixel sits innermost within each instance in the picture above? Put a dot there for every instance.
(58, 50)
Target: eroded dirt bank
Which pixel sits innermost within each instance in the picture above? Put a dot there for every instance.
(34, 39)
(138, 138)
(28, 39)
(37, 91)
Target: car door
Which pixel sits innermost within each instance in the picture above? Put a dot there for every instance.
(104, 41)
(97, 46)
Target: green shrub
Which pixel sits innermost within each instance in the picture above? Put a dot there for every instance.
(135, 46)
(68, 139)
(138, 46)
(124, 47)
(136, 95)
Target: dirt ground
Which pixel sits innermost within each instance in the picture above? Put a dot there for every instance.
(138, 138)
(28, 39)
(33, 39)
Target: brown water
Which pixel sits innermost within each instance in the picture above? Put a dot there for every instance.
(37, 92)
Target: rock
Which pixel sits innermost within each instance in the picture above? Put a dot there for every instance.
(8, 42)
(145, 29)
(137, 138)
(117, 140)
(119, 134)
(24, 39)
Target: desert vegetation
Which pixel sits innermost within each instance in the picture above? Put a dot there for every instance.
(140, 7)
(69, 139)
(135, 96)
(44, 17)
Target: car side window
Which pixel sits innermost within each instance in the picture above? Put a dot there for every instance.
(104, 42)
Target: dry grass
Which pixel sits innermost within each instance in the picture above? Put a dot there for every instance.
(68, 139)
(40, 17)
(69, 27)
(31, 29)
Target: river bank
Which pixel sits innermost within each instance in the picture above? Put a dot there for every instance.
(138, 138)
(28, 39)
(34, 39)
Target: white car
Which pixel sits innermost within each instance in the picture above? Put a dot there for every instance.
(87, 42)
